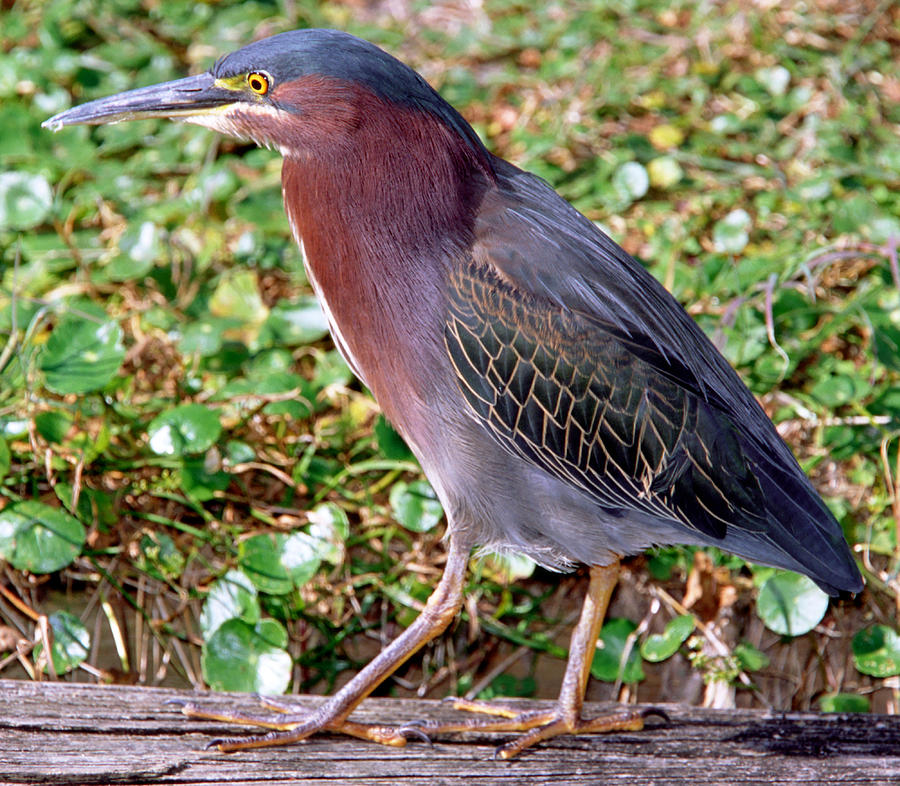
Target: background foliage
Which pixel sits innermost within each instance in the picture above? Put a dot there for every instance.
(194, 490)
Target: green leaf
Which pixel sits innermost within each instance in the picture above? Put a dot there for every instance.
(82, 355)
(329, 527)
(5, 459)
(774, 79)
(835, 390)
(231, 597)
(664, 172)
(844, 702)
(276, 563)
(53, 425)
(750, 658)
(95, 507)
(415, 505)
(36, 537)
(790, 604)
(508, 566)
(631, 181)
(283, 382)
(189, 428)
(876, 651)
(331, 369)
(199, 483)
(159, 556)
(607, 662)
(659, 646)
(294, 323)
(663, 561)
(886, 341)
(71, 642)
(25, 200)
(731, 234)
(301, 555)
(390, 442)
(244, 657)
(260, 558)
(141, 245)
(238, 452)
(205, 336)
(237, 295)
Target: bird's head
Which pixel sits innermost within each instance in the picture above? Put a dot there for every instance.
(294, 91)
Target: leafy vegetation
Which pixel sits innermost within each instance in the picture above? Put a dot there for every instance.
(193, 489)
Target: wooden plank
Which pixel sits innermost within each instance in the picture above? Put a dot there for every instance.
(89, 734)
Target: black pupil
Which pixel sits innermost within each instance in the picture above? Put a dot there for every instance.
(257, 83)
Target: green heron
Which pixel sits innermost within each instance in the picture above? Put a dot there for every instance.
(561, 402)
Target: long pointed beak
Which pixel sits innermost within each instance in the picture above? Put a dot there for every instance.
(193, 95)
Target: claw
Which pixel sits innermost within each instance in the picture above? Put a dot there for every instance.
(500, 753)
(182, 703)
(659, 712)
(410, 729)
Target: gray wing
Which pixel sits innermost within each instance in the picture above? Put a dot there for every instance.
(575, 359)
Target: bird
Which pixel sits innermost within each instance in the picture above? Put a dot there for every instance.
(562, 404)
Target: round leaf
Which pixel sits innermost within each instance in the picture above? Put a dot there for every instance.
(631, 181)
(276, 563)
(791, 604)
(876, 651)
(189, 428)
(231, 597)
(508, 566)
(731, 234)
(25, 200)
(244, 657)
(295, 323)
(237, 295)
(660, 646)
(198, 482)
(205, 336)
(329, 527)
(664, 172)
(71, 642)
(82, 355)
(775, 79)
(607, 662)
(415, 505)
(844, 702)
(390, 442)
(300, 555)
(666, 136)
(141, 245)
(238, 452)
(36, 537)
(53, 425)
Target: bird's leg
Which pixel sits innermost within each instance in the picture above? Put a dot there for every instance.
(290, 727)
(565, 718)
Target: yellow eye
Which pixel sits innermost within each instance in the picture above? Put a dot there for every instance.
(258, 82)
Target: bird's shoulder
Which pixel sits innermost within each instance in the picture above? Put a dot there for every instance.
(530, 240)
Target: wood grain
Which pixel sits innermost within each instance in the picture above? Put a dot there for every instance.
(69, 733)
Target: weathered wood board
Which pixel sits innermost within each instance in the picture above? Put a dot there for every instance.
(88, 734)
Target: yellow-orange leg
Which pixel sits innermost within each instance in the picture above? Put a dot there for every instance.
(291, 727)
(565, 718)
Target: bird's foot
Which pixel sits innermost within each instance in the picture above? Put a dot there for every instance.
(286, 726)
(537, 725)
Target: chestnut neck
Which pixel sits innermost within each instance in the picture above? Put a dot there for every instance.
(382, 209)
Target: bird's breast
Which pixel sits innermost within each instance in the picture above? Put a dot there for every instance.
(385, 312)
